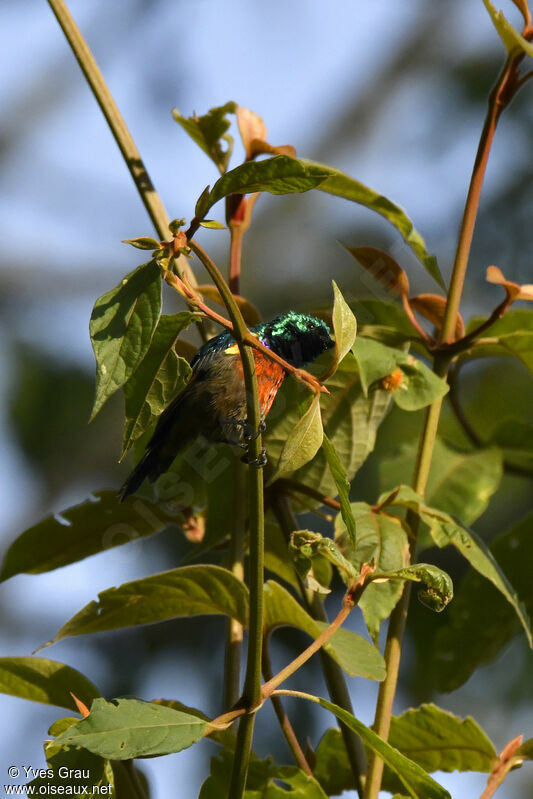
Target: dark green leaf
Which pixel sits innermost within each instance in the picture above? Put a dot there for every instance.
(419, 386)
(344, 325)
(446, 531)
(46, 681)
(526, 750)
(511, 335)
(277, 175)
(515, 438)
(381, 539)
(350, 420)
(88, 773)
(160, 377)
(439, 741)
(277, 557)
(460, 483)
(480, 621)
(208, 130)
(93, 526)
(332, 768)
(263, 780)
(439, 587)
(127, 728)
(121, 327)
(344, 186)
(353, 653)
(343, 486)
(303, 442)
(186, 591)
(418, 783)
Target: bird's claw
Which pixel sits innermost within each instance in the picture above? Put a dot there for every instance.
(248, 434)
(260, 461)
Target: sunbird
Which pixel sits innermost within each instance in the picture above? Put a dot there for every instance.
(213, 403)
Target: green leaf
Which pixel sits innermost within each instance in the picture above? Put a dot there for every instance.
(350, 420)
(515, 438)
(511, 335)
(306, 545)
(185, 591)
(446, 531)
(128, 728)
(381, 539)
(460, 483)
(278, 175)
(526, 750)
(343, 486)
(439, 741)
(418, 783)
(212, 224)
(419, 386)
(510, 37)
(88, 773)
(47, 681)
(332, 768)
(344, 325)
(303, 442)
(83, 530)
(121, 327)
(277, 558)
(480, 622)
(143, 243)
(354, 654)
(159, 378)
(439, 587)
(344, 186)
(208, 130)
(262, 782)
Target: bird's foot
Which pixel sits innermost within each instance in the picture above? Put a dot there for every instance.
(260, 461)
(248, 433)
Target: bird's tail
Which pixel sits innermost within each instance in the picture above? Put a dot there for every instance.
(148, 467)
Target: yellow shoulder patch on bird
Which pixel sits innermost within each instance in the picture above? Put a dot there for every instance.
(233, 350)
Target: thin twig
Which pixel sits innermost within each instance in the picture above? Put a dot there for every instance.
(283, 719)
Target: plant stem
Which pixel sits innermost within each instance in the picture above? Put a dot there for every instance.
(237, 234)
(284, 722)
(349, 603)
(499, 98)
(234, 640)
(252, 686)
(335, 681)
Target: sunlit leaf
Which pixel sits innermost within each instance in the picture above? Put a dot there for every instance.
(415, 780)
(47, 681)
(510, 37)
(159, 378)
(439, 588)
(511, 335)
(128, 728)
(344, 186)
(208, 130)
(356, 656)
(83, 530)
(277, 175)
(383, 267)
(303, 442)
(122, 324)
(344, 325)
(185, 591)
(439, 741)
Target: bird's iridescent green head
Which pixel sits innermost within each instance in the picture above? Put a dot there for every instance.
(297, 337)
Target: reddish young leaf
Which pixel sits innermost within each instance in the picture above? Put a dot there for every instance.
(249, 311)
(433, 307)
(383, 267)
(514, 291)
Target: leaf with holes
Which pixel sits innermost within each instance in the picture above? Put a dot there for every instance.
(128, 728)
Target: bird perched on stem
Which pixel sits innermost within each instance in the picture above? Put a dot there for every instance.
(213, 404)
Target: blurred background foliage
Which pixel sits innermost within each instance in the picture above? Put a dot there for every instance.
(392, 93)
